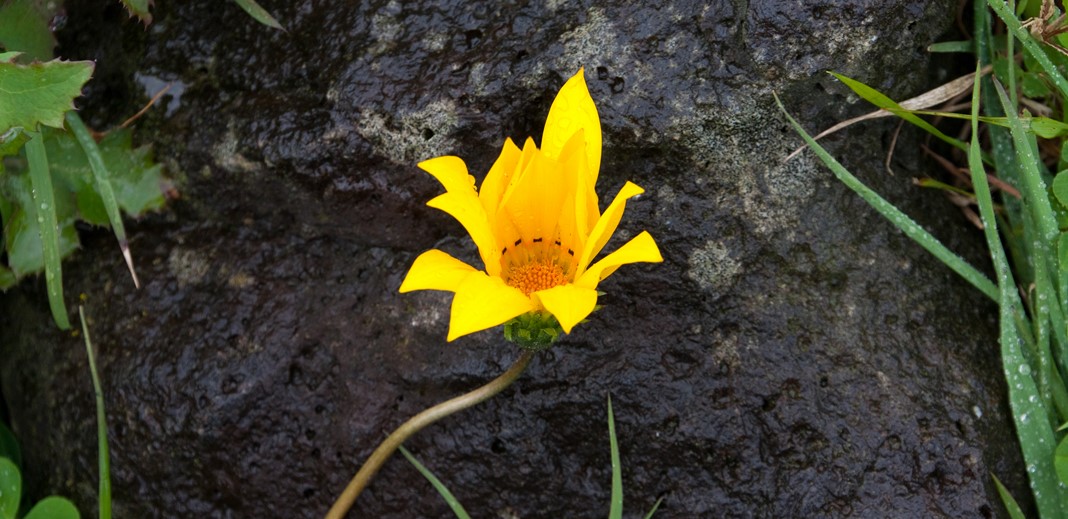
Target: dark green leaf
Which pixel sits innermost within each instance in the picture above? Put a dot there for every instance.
(1060, 188)
(1010, 503)
(39, 93)
(11, 142)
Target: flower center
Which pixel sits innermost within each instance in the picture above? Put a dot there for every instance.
(539, 274)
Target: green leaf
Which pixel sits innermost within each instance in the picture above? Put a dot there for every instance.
(40, 93)
(615, 510)
(10, 489)
(9, 446)
(44, 207)
(1033, 48)
(139, 8)
(7, 278)
(53, 507)
(258, 13)
(103, 456)
(454, 504)
(24, 28)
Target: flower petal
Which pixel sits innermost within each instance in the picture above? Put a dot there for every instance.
(451, 172)
(464, 206)
(640, 249)
(498, 178)
(534, 204)
(570, 304)
(435, 270)
(572, 110)
(482, 302)
(606, 225)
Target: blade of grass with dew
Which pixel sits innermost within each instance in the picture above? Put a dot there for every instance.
(615, 510)
(1011, 506)
(896, 217)
(258, 13)
(1044, 253)
(45, 208)
(454, 504)
(652, 511)
(1029, 414)
(877, 98)
(1018, 239)
(103, 186)
(103, 453)
(1032, 47)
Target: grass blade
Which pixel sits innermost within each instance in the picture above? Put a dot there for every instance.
(103, 454)
(877, 98)
(896, 217)
(616, 509)
(1029, 412)
(45, 208)
(652, 511)
(103, 186)
(454, 504)
(1011, 506)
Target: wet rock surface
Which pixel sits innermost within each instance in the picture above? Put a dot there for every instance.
(792, 357)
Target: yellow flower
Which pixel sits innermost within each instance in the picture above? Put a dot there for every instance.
(536, 223)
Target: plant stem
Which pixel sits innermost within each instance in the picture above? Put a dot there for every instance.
(417, 423)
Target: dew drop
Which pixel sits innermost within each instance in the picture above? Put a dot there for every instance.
(1025, 369)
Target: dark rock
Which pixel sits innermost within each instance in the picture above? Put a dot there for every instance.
(793, 357)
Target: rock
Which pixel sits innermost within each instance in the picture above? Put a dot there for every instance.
(794, 356)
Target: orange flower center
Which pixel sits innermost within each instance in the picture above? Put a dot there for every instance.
(536, 275)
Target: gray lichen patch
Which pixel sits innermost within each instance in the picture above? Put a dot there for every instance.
(713, 268)
(188, 266)
(413, 136)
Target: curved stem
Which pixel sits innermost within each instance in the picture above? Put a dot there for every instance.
(417, 423)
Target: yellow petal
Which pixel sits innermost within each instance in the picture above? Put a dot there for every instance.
(483, 302)
(606, 225)
(572, 110)
(465, 207)
(498, 178)
(435, 270)
(640, 249)
(570, 304)
(451, 172)
(534, 205)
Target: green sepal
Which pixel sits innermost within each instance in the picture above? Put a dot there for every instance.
(533, 331)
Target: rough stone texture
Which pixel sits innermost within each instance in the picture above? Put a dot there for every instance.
(793, 357)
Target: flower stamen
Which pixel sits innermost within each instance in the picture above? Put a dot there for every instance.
(539, 274)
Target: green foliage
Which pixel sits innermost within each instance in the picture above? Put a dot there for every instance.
(1030, 253)
(39, 93)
